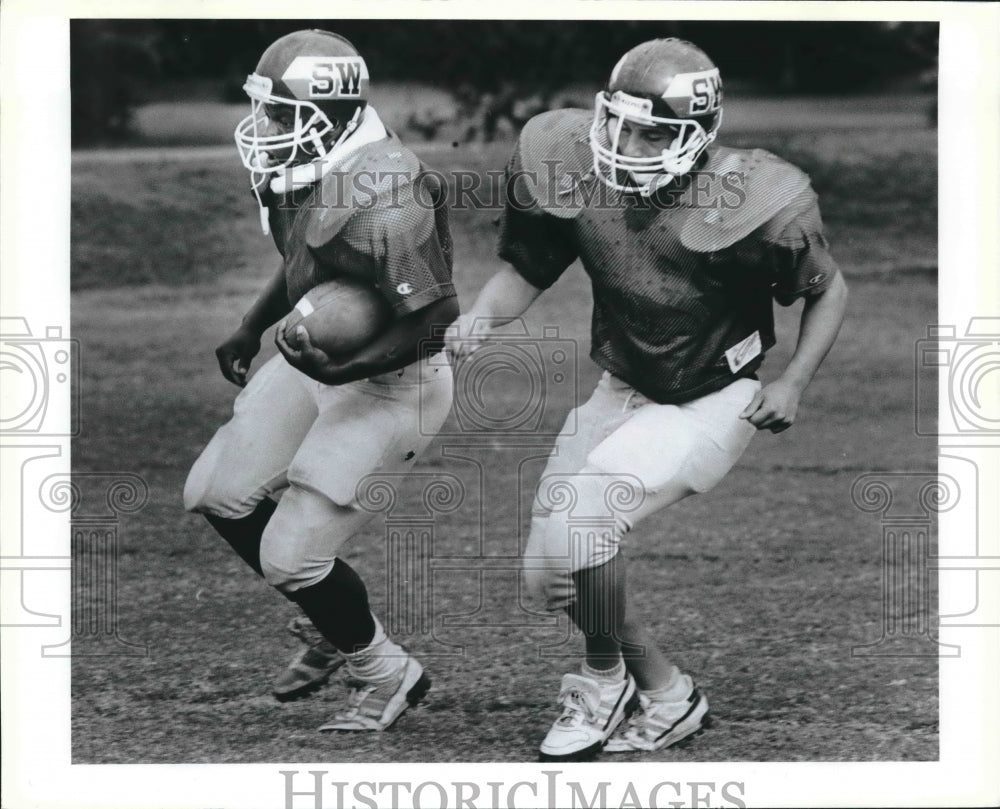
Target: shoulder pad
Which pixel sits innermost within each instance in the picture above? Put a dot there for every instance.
(554, 151)
(746, 189)
(372, 173)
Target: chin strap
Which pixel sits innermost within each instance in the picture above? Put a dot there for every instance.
(361, 130)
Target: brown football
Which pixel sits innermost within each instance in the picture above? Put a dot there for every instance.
(340, 316)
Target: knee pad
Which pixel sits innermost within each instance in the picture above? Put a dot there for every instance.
(207, 491)
(301, 541)
(581, 518)
(286, 560)
(560, 547)
(551, 586)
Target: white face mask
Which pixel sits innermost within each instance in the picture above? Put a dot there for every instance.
(304, 144)
(648, 173)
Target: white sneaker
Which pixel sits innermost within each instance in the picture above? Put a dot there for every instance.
(376, 705)
(658, 724)
(591, 712)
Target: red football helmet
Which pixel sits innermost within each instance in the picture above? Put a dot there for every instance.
(322, 82)
(661, 83)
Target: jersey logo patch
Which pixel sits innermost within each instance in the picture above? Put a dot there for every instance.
(404, 289)
(744, 351)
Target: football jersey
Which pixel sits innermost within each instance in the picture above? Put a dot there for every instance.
(378, 218)
(683, 281)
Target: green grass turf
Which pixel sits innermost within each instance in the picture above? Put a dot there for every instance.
(760, 587)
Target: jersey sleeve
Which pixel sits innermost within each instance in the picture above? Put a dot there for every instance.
(538, 245)
(412, 249)
(799, 254)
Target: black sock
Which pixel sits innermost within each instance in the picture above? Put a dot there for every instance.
(244, 533)
(338, 608)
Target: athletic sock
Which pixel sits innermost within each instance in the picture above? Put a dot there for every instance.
(674, 690)
(244, 533)
(337, 605)
(379, 660)
(613, 675)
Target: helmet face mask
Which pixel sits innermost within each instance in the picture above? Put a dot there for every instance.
(307, 96)
(264, 150)
(666, 85)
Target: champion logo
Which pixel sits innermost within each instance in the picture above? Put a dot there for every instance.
(817, 278)
(404, 289)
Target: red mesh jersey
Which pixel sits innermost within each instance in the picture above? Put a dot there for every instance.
(377, 218)
(678, 279)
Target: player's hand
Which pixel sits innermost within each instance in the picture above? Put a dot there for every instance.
(236, 354)
(773, 407)
(298, 349)
(459, 340)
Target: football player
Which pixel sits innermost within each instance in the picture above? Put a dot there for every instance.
(278, 480)
(686, 243)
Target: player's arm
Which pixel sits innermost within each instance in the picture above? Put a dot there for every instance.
(506, 296)
(775, 405)
(406, 340)
(236, 353)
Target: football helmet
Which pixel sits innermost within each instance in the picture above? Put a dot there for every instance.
(665, 83)
(316, 84)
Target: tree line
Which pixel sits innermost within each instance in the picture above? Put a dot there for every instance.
(116, 64)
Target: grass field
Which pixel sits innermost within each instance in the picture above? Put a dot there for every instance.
(760, 588)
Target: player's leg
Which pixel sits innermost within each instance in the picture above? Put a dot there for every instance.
(669, 452)
(363, 429)
(244, 466)
(236, 481)
(299, 559)
(675, 451)
(595, 699)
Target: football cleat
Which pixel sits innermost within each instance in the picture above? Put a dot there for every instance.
(376, 705)
(658, 724)
(311, 668)
(591, 713)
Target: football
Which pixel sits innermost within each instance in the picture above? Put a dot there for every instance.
(340, 316)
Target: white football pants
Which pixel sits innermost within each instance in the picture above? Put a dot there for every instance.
(619, 458)
(310, 445)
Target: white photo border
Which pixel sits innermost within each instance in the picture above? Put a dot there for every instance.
(34, 43)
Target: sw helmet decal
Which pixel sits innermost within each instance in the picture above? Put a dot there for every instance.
(320, 77)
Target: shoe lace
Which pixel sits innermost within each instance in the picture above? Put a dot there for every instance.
(576, 707)
(635, 725)
(358, 692)
(639, 724)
